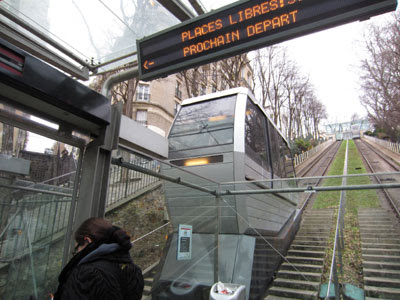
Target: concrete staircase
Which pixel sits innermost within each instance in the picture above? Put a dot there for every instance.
(299, 277)
(380, 242)
(148, 276)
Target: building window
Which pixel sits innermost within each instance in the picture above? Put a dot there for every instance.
(203, 90)
(178, 92)
(177, 107)
(214, 75)
(141, 117)
(204, 76)
(143, 92)
(223, 85)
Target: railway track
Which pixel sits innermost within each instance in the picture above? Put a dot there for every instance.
(317, 167)
(378, 162)
(379, 230)
(320, 162)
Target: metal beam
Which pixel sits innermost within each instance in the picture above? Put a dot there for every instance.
(197, 7)
(29, 45)
(178, 9)
(15, 19)
(311, 189)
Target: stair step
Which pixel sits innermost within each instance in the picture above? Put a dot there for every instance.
(382, 282)
(315, 227)
(381, 258)
(380, 240)
(305, 260)
(313, 231)
(381, 265)
(307, 247)
(299, 275)
(381, 251)
(379, 292)
(379, 235)
(301, 267)
(311, 237)
(378, 231)
(376, 226)
(310, 242)
(381, 273)
(147, 290)
(382, 246)
(293, 293)
(297, 284)
(272, 297)
(148, 280)
(314, 221)
(306, 253)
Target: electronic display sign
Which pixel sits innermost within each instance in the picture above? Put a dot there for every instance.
(245, 26)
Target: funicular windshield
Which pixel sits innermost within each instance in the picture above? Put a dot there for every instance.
(203, 124)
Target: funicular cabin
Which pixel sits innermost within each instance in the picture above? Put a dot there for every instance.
(225, 137)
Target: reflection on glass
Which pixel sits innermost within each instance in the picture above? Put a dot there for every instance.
(203, 124)
(36, 193)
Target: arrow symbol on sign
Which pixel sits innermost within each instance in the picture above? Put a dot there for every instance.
(147, 64)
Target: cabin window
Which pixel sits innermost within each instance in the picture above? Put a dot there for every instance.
(256, 136)
(203, 124)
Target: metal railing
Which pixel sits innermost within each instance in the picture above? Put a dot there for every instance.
(338, 246)
(394, 147)
(299, 159)
(125, 183)
(34, 217)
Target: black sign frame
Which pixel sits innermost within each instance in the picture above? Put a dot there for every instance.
(244, 26)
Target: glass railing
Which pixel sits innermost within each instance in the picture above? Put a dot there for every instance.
(193, 232)
(36, 196)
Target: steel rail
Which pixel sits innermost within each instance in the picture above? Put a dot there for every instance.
(383, 156)
(389, 198)
(316, 160)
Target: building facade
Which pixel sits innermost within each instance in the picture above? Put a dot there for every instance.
(156, 103)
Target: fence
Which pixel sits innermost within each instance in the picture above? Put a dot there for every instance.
(41, 210)
(298, 159)
(394, 147)
(125, 183)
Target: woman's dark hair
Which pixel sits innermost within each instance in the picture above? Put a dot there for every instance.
(99, 229)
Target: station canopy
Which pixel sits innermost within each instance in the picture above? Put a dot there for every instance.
(97, 34)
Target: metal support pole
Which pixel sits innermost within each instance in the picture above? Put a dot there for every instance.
(217, 232)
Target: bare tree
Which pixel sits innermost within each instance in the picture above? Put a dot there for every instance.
(286, 94)
(381, 77)
(271, 67)
(223, 74)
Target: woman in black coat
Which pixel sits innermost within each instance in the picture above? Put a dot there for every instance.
(102, 268)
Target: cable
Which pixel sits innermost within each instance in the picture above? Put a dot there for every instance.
(269, 244)
(122, 21)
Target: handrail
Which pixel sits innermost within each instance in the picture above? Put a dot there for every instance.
(299, 159)
(339, 236)
(394, 147)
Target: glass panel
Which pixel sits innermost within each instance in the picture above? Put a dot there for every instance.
(255, 136)
(96, 31)
(37, 177)
(187, 268)
(203, 124)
